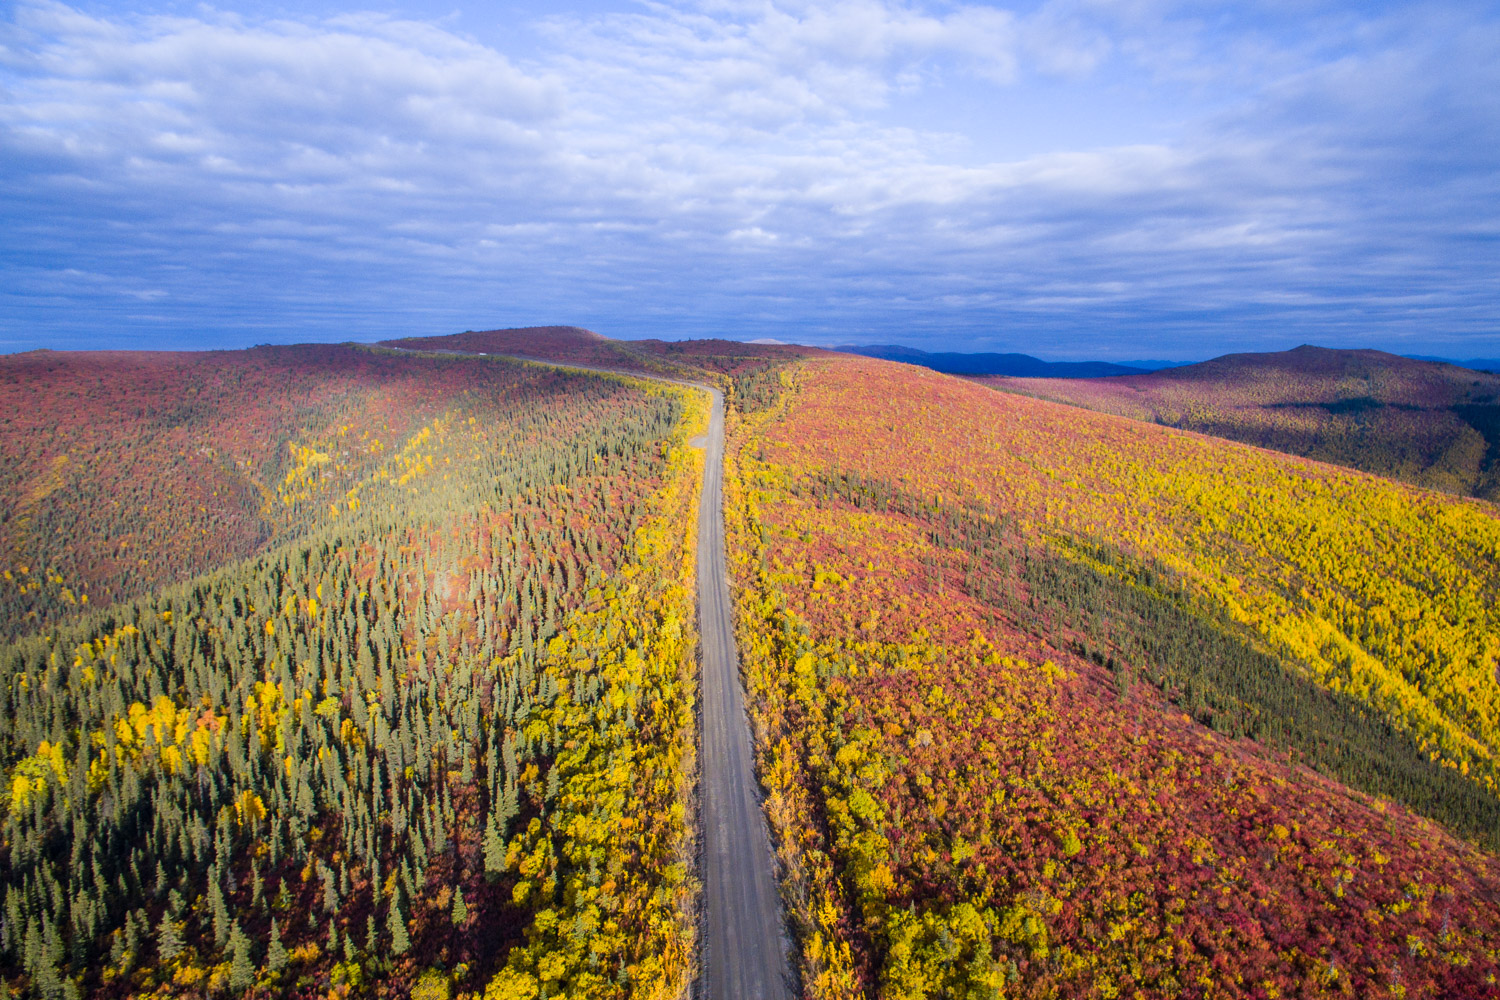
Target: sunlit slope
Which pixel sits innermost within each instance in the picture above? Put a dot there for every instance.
(126, 471)
(437, 739)
(1386, 592)
(567, 344)
(1430, 424)
(1002, 657)
(740, 369)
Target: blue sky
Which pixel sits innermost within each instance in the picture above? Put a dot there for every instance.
(1070, 179)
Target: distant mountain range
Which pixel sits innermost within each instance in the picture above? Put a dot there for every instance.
(1431, 423)
(1155, 364)
(1026, 366)
(1015, 365)
(1480, 364)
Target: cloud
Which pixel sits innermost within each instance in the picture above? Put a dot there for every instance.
(799, 169)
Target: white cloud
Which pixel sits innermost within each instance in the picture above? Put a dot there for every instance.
(692, 157)
(269, 100)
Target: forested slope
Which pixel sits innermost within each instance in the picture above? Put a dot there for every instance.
(567, 344)
(740, 369)
(1052, 703)
(416, 718)
(384, 685)
(1430, 424)
(128, 471)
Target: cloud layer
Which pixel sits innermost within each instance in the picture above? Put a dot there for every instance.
(1087, 178)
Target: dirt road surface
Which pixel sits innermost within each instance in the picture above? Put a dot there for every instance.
(745, 946)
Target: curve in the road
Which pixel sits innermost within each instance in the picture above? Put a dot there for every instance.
(745, 946)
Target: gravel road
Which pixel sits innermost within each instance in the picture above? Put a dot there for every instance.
(745, 946)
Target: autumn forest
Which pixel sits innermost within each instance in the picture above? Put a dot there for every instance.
(375, 671)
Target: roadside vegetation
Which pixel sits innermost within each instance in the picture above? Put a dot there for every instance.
(432, 736)
(340, 671)
(1051, 703)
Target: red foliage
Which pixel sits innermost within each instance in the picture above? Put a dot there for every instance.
(945, 755)
(131, 470)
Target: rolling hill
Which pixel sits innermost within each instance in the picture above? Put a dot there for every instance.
(387, 681)
(129, 471)
(363, 636)
(572, 344)
(745, 371)
(1055, 703)
(1430, 424)
(1491, 365)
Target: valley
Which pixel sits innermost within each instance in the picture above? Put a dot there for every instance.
(444, 669)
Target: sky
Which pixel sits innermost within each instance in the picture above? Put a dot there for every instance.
(1110, 179)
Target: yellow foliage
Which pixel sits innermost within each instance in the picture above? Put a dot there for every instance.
(431, 985)
(622, 813)
(30, 776)
(511, 984)
(248, 808)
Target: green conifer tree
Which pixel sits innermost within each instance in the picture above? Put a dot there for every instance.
(218, 909)
(168, 938)
(241, 968)
(400, 940)
(460, 908)
(257, 886)
(494, 851)
(276, 952)
(40, 963)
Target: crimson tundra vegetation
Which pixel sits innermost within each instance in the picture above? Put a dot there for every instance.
(371, 671)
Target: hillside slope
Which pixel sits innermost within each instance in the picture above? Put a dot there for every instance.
(746, 372)
(1052, 703)
(427, 727)
(1433, 425)
(570, 344)
(128, 471)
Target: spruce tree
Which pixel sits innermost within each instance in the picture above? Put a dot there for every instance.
(241, 968)
(460, 908)
(218, 909)
(396, 924)
(276, 951)
(494, 851)
(168, 938)
(257, 886)
(330, 888)
(40, 963)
